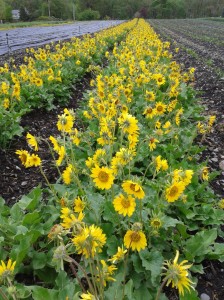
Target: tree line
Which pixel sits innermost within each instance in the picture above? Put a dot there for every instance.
(110, 9)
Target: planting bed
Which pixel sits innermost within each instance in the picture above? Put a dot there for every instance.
(16, 181)
(201, 46)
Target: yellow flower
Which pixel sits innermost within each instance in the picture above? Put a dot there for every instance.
(152, 143)
(6, 103)
(174, 191)
(56, 147)
(128, 123)
(119, 255)
(155, 223)
(38, 82)
(24, 157)
(135, 240)
(79, 205)
(186, 178)
(149, 112)
(124, 205)
(105, 272)
(177, 274)
(221, 203)
(103, 177)
(88, 296)
(89, 241)
(150, 96)
(61, 153)
(34, 161)
(205, 173)
(32, 141)
(160, 108)
(133, 188)
(6, 270)
(65, 121)
(66, 175)
(69, 219)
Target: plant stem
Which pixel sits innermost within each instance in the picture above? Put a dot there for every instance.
(125, 265)
(77, 277)
(161, 287)
(84, 272)
(48, 183)
(3, 295)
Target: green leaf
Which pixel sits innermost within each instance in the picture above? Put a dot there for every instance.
(217, 253)
(31, 201)
(197, 269)
(16, 213)
(129, 289)
(152, 261)
(198, 245)
(170, 222)
(39, 260)
(40, 293)
(143, 293)
(189, 295)
(31, 218)
(137, 263)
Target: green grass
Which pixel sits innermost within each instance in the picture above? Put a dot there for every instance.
(32, 24)
(218, 19)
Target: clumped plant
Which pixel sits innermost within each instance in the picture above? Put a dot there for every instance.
(46, 77)
(132, 210)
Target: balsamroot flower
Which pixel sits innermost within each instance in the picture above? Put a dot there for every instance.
(133, 188)
(177, 274)
(135, 239)
(103, 177)
(88, 296)
(124, 205)
(117, 257)
(174, 191)
(89, 241)
(6, 270)
(32, 141)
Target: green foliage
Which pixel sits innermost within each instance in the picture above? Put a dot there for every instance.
(88, 15)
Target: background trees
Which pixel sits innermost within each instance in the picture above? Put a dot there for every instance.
(114, 9)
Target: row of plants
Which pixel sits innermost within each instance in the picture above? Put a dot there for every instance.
(47, 76)
(132, 210)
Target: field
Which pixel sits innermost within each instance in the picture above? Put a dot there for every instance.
(126, 127)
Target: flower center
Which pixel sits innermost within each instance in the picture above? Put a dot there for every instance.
(23, 158)
(173, 191)
(125, 202)
(133, 187)
(135, 237)
(103, 176)
(160, 108)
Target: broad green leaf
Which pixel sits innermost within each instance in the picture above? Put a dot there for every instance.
(217, 253)
(198, 245)
(189, 295)
(152, 261)
(40, 293)
(170, 222)
(16, 213)
(137, 263)
(39, 260)
(143, 293)
(31, 218)
(129, 289)
(31, 201)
